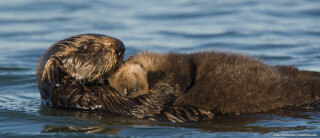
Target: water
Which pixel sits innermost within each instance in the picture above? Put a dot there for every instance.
(278, 32)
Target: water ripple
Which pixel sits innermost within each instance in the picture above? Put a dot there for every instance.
(315, 12)
(200, 36)
(33, 20)
(182, 16)
(13, 69)
(37, 6)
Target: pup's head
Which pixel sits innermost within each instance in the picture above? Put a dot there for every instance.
(130, 80)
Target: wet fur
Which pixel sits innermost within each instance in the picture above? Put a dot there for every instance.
(143, 71)
(181, 87)
(233, 84)
(210, 83)
(78, 60)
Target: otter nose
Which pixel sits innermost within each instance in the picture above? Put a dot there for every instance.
(121, 47)
(120, 50)
(119, 55)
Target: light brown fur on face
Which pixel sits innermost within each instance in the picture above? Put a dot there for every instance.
(145, 69)
(130, 80)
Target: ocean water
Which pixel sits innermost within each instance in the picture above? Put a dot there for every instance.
(276, 31)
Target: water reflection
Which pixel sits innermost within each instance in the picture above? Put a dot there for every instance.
(90, 129)
(293, 120)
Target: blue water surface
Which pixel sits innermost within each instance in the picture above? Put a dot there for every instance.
(275, 31)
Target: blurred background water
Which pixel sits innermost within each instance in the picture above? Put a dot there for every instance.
(278, 32)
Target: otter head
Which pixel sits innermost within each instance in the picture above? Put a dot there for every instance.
(130, 80)
(86, 58)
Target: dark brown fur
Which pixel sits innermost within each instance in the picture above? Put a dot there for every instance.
(74, 61)
(210, 83)
(233, 84)
(181, 87)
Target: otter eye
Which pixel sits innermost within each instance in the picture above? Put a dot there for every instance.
(96, 47)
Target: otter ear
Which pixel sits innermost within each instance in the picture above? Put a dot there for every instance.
(51, 71)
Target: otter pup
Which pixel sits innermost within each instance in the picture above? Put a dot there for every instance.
(74, 62)
(214, 82)
(146, 69)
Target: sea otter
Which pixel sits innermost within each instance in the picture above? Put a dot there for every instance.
(216, 82)
(77, 73)
(73, 73)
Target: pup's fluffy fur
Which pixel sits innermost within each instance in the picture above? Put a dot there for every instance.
(141, 72)
(218, 82)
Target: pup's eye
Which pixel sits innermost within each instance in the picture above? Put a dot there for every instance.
(136, 89)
